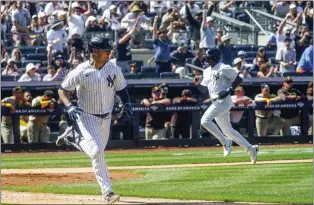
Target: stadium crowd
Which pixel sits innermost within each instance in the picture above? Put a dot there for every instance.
(43, 41)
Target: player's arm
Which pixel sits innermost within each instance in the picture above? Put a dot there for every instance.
(233, 75)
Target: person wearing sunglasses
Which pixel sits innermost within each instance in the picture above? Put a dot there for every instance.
(155, 121)
(290, 94)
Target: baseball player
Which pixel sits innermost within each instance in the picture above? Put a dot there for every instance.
(220, 80)
(96, 82)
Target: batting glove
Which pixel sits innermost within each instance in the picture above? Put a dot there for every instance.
(73, 112)
(223, 94)
(129, 112)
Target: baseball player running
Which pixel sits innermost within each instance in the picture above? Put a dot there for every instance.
(220, 80)
(96, 82)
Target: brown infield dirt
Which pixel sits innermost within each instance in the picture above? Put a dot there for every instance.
(64, 178)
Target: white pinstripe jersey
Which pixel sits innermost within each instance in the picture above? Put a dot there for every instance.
(95, 88)
(218, 78)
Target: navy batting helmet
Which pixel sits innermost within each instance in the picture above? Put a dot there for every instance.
(214, 54)
(100, 43)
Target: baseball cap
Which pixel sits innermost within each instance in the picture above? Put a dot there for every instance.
(186, 93)
(292, 6)
(225, 38)
(48, 93)
(17, 89)
(41, 14)
(34, 16)
(155, 89)
(30, 66)
(288, 79)
(242, 53)
(264, 85)
(209, 18)
(237, 60)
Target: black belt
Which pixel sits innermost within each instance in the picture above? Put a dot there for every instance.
(101, 115)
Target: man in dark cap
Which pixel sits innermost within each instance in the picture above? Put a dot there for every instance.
(289, 94)
(267, 118)
(37, 124)
(178, 57)
(6, 122)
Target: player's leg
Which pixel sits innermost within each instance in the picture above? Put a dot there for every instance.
(209, 125)
(223, 121)
(92, 143)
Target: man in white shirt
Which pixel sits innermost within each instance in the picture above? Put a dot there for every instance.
(280, 8)
(76, 19)
(30, 74)
(56, 36)
(194, 8)
(51, 7)
(157, 6)
(283, 33)
(110, 15)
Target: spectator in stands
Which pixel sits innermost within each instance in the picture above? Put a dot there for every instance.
(267, 118)
(306, 61)
(302, 41)
(181, 121)
(56, 37)
(155, 121)
(289, 94)
(266, 71)
(207, 29)
(239, 99)
(228, 8)
(286, 57)
(37, 124)
(158, 6)
(237, 63)
(51, 7)
(11, 103)
(162, 48)
(11, 68)
(283, 33)
(76, 19)
(295, 13)
(243, 56)
(194, 9)
(27, 102)
(42, 20)
(198, 59)
(21, 20)
(179, 57)
(223, 46)
(123, 48)
(272, 40)
(174, 4)
(16, 55)
(129, 21)
(37, 32)
(112, 17)
(308, 14)
(261, 52)
(309, 95)
(30, 74)
(53, 74)
(280, 8)
(133, 68)
(76, 58)
(91, 25)
(4, 54)
(195, 26)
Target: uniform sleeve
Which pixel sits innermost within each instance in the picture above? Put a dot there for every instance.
(120, 82)
(72, 80)
(229, 73)
(206, 79)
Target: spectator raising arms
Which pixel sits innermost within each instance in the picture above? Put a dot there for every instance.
(56, 37)
(21, 20)
(207, 30)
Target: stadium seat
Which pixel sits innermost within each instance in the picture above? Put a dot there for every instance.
(251, 54)
(9, 78)
(25, 62)
(41, 50)
(243, 48)
(28, 50)
(132, 75)
(307, 74)
(253, 74)
(249, 60)
(151, 15)
(148, 69)
(41, 57)
(169, 75)
(290, 74)
(149, 43)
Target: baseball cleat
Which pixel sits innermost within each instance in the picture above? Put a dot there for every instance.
(253, 149)
(63, 138)
(111, 198)
(227, 147)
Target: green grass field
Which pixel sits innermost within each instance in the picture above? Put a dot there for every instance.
(267, 183)
(181, 156)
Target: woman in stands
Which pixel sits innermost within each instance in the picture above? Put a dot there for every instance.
(266, 71)
(37, 31)
(4, 54)
(17, 55)
(11, 68)
(261, 53)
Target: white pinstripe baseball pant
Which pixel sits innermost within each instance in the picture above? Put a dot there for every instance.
(94, 138)
(219, 110)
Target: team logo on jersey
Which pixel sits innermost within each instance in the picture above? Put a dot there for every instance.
(216, 76)
(111, 80)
